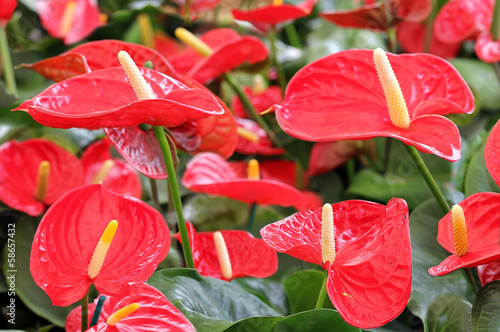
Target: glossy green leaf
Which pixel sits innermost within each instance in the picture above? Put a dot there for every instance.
(209, 213)
(486, 308)
(449, 313)
(269, 291)
(477, 177)
(261, 324)
(315, 320)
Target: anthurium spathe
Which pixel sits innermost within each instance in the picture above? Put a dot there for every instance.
(105, 98)
(70, 20)
(489, 272)
(335, 113)
(35, 173)
(254, 140)
(67, 246)
(210, 173)
(114, 174)
(6, 11)
(365, 249)
(491, 150)
(480, 243)
(155, 313)
(248, 256)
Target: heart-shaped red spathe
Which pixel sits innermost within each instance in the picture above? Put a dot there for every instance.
(105, 98)
(86, 18)
(336, 113)
(70, 230)
(487, 49)
(489, 272)
(121, 179)
(491, 153)
(6, 11)
(261, 101)
(19, 163)
(459, 20)
(263, 146)
(481, 218)
(210, 173)
(374, 16)
(155, 313)
(230, 50)
(370, 280)
(249, 257)
(272, 15)
(97, 55)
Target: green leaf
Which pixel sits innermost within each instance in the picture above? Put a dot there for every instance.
(261, 324)
(211, 213)
(449, 313)
(208, 300)
(302, 289)
(427, 252)
(269, 291)
(315, 320)
(486, 308)
(477, 177)
(25, 287)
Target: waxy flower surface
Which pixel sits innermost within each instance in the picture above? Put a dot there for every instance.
(6, 11)
(68, 243)
(320, 104)
(481, 216)
(326, 156)
(489, 272)
(366, 252)
(209, 173)
(155, 313)
(257, 141)
(491, 153)
(22, 177)
(248, 256)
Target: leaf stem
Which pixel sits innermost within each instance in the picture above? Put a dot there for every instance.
(174, 188)
(274, 59)
(470, 277)
(154, 194)
(322, 292)
(428, 178)
(85, 311)
(251, 216)
(10, 80)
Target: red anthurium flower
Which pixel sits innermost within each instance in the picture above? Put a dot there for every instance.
(491, 153)
(71, 20)
(6, 11)
(209, 173)
(487, 49)
(261, 100)
(155, 313)
(69, 253)
(197, 6)
(489, 272)
(364, 246)
(336, 113)
(27, 183)
(474, 224)
(248, 256)
(114, 174)
(254, 140)
(274, 14)
(411, 37)
(229, 50)
(374, 16)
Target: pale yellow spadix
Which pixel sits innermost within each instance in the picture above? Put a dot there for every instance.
(191, 40)
(258, 85)
(42, 181)
(398, 110)
(141, 88)
(247, 134)
(459, 230)
(277, 2)
(101, 249)
(122, 313)
(253, 172)
(223, 256)
(327, 235)
(67, 18)
(103, 171)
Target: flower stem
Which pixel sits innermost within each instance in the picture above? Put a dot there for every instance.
(322, 292)
(251, 216)
(428, 178)
(154, 194)
(85, 311)
(293, 36)
(495, 24)
(174, 188)
(97, 311)
(470, 277)
(274, 59)
(10, 81)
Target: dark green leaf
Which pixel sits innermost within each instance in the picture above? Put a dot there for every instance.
(477, 177)
(486, 308)
(449, 313)
(269, 291)
(252, 324)
(315, 320)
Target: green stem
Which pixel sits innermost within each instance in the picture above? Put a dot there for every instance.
(293, 36)
(251, 216)
(387, 154)
(274, 59)
(428, 178)
(351, 169)
(322, 292)
(85, 311)
(174, 188)
(8, 71)
(187, 16)
(154, 194)
(495, 24)
(97, 311)
(429, 27)
(471, 279)
(392, 41)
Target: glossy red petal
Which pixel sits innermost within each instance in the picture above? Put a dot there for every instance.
(489, 272)
(481, 216)
(19, 162)
(487, 49)
(261, 101)
(68, 234)
(491, 153)
(326, 156)
(6, 11)
(249, 257)
(166, 45)
(274, 15)
(371, 17)
(210, 173)
(263, 146)
(104, 98)
(459, 20)
(85, 18)
(121, 179)
(412, 10)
